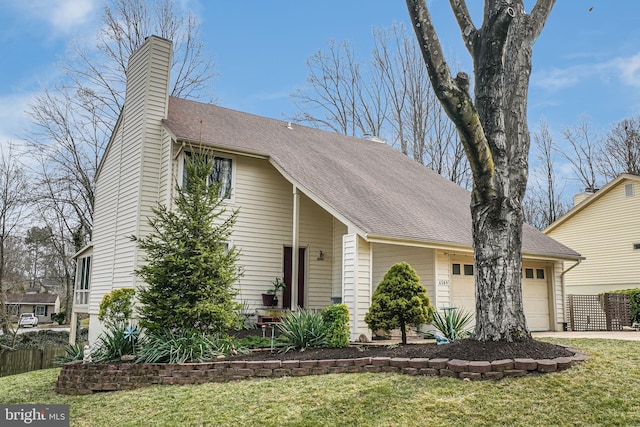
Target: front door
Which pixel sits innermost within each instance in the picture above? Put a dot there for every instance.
(286, 295)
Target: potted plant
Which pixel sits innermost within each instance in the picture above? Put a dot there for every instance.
(270, 299)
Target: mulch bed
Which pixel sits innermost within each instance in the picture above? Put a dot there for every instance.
(462, 349)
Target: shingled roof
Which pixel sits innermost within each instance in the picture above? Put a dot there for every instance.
(378, 189)
(44, 299)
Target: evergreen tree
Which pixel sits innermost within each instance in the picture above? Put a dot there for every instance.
(399, 300)
(190, 268)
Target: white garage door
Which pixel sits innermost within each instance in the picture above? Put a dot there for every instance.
(534, 293)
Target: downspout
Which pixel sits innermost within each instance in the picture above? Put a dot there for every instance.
(294, 249)
(564, 291)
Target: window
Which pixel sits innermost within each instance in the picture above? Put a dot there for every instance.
(528, 273)
(539, 273)
(468, 269)
(13, 309)
(636, 246)
(83, 272)
(221, 174)
(456, 269)
(40, 310)
(629, 190)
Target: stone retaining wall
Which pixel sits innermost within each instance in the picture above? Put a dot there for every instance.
(78, 378)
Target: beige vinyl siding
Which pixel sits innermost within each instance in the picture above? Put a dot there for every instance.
(315, 234)
(604, 233)
(339, 230)
(558, 304)
(421, 259)
(364, 287)
(349, 279)
(125, 190)
(264, 225)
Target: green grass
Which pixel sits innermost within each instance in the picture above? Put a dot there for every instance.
(602, 391)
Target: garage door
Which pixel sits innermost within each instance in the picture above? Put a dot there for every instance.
(534, 293)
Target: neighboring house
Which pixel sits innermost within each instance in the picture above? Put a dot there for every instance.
(327, 212)
(42, 305)
(605, 228)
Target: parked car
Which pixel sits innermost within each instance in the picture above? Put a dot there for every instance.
(28, 319)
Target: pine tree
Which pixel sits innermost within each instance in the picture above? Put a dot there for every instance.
(190, 268)
(399, 300)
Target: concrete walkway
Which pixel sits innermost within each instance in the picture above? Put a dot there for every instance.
(608, 335)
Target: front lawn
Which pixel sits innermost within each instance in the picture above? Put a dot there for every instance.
(602, 391)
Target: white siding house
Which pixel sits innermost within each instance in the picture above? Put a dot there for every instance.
(328, 212)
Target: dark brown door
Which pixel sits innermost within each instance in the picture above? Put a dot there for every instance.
(286, 295)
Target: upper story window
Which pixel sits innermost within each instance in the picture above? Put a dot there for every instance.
(83, 274)
(221, 174)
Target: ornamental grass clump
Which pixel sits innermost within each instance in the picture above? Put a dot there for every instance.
(303, 329)
(186, 346)
(454, 324)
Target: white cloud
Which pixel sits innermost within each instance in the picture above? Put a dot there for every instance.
(63, 16)
(556, 79)
(13, 117)
(624, 69)
(629, 69)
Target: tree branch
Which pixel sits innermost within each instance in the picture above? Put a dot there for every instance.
(538, 16)
(456, 100)
(468, 30)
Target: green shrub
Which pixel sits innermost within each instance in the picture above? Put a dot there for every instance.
(59, 318)
(458, 319)
(634, 302)
(115, 342)
(304, 328)
(399, 300)
(116, 307)
(185, 346)
(71, 352)
(336, 317)
(257, 342)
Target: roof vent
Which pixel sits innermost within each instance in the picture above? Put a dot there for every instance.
(373, 138)
(289, 126)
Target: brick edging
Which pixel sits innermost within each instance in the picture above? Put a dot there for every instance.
(77, 378)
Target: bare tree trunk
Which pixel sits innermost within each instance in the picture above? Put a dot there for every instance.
(494, 132)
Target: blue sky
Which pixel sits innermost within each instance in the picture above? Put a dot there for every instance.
(585, 62)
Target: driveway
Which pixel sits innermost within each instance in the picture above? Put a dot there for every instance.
(608, 335)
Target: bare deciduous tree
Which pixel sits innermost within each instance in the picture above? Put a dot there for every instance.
(13, 192)
(543, 203)
(493, 129)
(389, 96)
(339, 100)
(583, 153)
(621, 151)
(74, 119)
